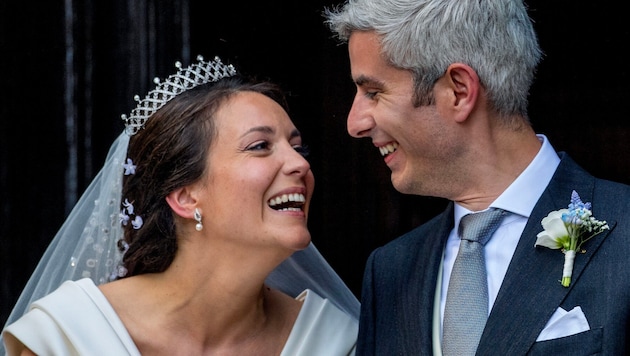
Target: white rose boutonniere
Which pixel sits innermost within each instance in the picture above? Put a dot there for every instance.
(568, 229)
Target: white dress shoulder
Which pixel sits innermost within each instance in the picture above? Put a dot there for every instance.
(77, 319)
(321, 329)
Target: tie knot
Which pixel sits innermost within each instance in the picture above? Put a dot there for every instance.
(478, 227)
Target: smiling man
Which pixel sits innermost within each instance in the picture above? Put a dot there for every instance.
(442, 93)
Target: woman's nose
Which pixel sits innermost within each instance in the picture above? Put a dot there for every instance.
(297, 163)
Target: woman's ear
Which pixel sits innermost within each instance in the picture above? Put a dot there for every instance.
(463, 81)
(182, 202)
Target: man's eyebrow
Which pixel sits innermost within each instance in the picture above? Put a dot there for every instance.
(363, 80)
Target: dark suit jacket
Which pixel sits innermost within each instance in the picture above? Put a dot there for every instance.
(400, 280)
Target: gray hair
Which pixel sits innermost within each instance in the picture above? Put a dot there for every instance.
(494, 37)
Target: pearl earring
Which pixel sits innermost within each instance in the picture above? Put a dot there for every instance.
(199, 225)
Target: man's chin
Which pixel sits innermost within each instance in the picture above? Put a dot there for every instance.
(401, 185)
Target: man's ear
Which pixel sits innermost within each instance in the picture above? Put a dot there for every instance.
(463, 82)
(183, 202)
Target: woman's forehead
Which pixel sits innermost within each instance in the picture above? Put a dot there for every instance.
(251, 109)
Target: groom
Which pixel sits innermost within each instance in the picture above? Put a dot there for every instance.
(442, 90)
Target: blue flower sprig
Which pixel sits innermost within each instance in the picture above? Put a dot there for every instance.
(568, 229)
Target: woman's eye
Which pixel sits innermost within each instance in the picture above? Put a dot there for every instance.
(258, 146)
(302, 149)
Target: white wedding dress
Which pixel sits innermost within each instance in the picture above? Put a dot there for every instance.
(77, 319)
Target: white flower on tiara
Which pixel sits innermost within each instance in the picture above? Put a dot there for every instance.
(129, 167)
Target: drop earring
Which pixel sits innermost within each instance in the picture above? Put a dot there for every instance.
(199, 225)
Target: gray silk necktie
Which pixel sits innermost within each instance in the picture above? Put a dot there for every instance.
(466, 309)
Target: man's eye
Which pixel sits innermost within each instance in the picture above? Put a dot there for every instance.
(370, 94)
(302, 149)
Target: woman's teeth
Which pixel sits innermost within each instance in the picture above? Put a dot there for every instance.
(292, 202)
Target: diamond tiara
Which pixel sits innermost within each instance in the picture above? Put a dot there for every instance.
(185, 79)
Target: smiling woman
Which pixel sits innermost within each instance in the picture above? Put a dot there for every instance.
(198, 219)
(256, 158)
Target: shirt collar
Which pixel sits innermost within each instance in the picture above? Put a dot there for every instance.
(533, 180)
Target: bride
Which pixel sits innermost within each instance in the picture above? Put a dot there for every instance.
(193, 238)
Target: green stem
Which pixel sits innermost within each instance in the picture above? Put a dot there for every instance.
(566, 281)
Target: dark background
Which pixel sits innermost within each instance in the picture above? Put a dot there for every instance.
(70, 68)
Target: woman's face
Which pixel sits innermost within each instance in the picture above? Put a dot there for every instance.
(258, 184)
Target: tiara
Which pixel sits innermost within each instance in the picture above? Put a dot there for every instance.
(185, 79)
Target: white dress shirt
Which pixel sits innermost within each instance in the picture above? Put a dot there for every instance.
(501, 247)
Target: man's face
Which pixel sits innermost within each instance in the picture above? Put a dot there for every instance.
(417, 143)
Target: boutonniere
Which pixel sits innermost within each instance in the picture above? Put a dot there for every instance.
(568, 229)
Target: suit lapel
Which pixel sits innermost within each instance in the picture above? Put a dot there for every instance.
(531, 290)
(427, 266)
